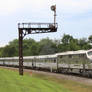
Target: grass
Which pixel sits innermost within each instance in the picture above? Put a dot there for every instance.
(10, 81)
(72, 86)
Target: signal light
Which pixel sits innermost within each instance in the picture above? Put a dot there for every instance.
(53, 7)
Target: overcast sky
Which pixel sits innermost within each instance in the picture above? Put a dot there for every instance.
(74, 17)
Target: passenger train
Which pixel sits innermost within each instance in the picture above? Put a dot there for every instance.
(71, 61)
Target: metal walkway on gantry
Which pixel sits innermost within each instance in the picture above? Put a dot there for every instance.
(33, 28)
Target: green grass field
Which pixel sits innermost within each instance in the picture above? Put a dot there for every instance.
(10, 81)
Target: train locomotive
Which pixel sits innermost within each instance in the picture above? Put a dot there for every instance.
(66, 62)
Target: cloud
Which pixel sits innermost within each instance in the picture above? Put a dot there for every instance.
(8, 6)
(67, 6)
(75, 6)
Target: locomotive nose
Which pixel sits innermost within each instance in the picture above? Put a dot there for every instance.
(89, 55)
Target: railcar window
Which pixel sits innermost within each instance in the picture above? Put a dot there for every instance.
(81, 55)
(90, 53)
(61, 56)
(54, 60)
(70, 56)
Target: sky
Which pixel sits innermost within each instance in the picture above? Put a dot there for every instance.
(74, 17)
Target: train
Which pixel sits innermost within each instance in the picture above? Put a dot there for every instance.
(65, 62)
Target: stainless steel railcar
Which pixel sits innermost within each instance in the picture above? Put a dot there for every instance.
(75, 61)
(47, 62)
(71, 61)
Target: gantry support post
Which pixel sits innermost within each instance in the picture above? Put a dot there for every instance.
(20, 52)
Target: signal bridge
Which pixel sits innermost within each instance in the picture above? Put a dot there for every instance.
(33, 28)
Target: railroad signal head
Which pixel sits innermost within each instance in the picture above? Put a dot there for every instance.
(53, 7)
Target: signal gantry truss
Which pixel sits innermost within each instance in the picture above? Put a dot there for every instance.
(35, 28)
(32, 28)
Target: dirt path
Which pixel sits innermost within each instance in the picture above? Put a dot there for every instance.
(83, 80)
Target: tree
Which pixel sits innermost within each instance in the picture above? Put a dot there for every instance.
(47, 46)
(90, 39)
(8, 51)
(74, 45)
(68, 43)
(63, 47)
(66, 39)
(15, 45)
(1, 50)
(84, 44)
(29, 47)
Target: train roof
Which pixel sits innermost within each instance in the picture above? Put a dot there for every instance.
(40, 56)
(72, 52)
(30, 57)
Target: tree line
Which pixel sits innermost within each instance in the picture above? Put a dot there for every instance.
(46, 46)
